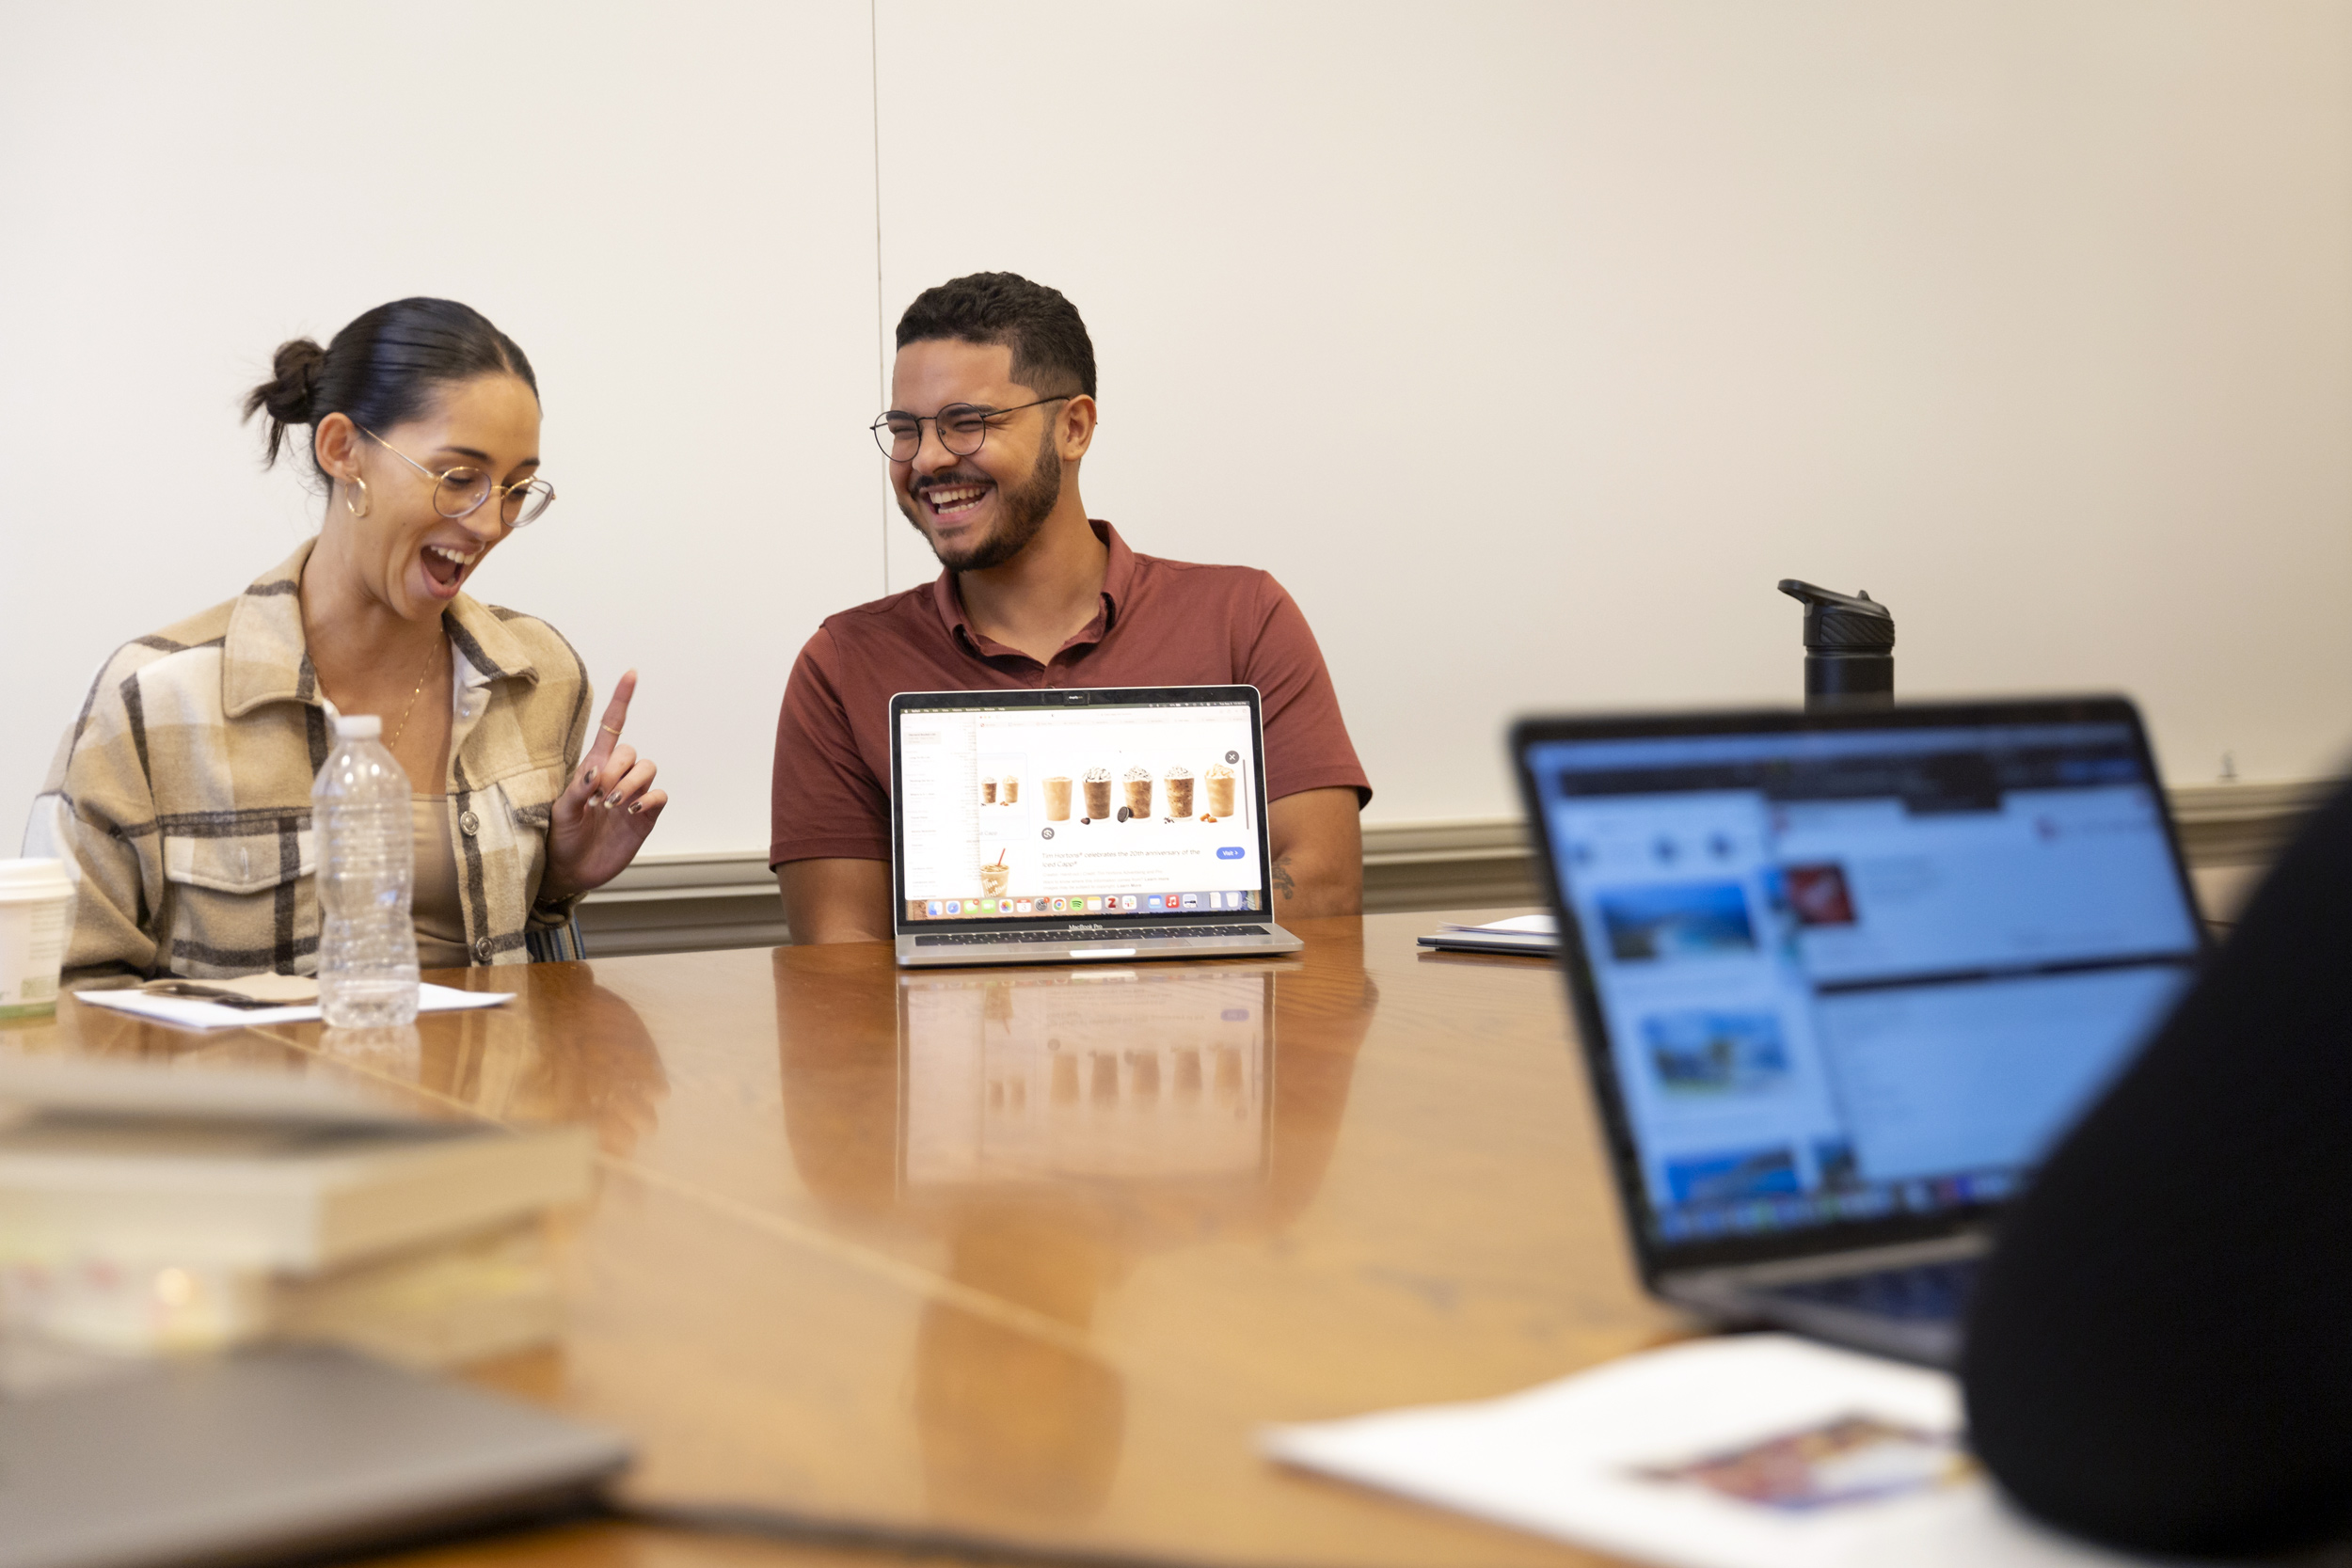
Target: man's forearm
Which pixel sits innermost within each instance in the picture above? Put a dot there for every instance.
(836, 900)
(1304, 889)
(1318, 848)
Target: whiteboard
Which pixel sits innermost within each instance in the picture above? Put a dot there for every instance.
(1528, 345)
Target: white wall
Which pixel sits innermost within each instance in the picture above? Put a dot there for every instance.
(1528, 343)
(670, 209)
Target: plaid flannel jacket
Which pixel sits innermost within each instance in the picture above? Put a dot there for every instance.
(180, 800)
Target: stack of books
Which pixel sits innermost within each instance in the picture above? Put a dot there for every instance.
(146, 1209)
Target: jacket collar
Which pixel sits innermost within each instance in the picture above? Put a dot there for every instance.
(265, 659)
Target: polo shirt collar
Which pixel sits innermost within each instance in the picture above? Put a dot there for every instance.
(1119, 576)
(264, 657)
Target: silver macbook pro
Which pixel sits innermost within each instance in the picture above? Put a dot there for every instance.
(1091, 823)
(277, 1454)
(1842, 980)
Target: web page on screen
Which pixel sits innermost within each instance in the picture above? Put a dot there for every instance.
(1848, 975)
(1133, 810)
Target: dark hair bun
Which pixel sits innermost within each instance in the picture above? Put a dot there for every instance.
(382, 369)
(288, 395)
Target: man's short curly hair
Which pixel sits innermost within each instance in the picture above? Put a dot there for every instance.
(1051, 351)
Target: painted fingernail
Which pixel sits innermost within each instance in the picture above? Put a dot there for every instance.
(637, 807)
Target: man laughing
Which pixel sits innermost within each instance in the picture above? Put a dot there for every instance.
(992, 410)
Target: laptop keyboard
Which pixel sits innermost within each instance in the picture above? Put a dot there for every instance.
(1063, 939)
(1922, 1292)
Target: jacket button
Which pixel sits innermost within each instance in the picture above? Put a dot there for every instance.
(468, 823)
(482, 950)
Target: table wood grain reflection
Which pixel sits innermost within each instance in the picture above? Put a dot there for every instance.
(1068, 1347)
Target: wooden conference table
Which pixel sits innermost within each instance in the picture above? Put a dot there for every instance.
(1027, 1255)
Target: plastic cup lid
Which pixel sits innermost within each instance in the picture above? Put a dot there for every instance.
(359, 726)
(22, 880)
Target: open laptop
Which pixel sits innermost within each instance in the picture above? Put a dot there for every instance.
(1089, 823)
(1843, 979)
(283, 1452)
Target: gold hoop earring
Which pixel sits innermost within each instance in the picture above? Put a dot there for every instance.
(358, 511)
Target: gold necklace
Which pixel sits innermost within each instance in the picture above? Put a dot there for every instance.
(432, 656)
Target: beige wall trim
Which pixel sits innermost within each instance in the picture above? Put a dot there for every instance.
(676, 903)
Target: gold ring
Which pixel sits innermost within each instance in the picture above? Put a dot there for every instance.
(610, 730)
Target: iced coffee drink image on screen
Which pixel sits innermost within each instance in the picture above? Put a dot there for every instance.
(1221, 779)
(1139, 792)
(1177, 784)
(1098, 792)
(988, 792)
(1009, 789)
(995, 877)
(1058, 798)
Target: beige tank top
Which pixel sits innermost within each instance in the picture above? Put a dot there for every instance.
(438, 913)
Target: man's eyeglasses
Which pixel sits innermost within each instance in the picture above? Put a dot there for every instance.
(460, 492)
(961, 426)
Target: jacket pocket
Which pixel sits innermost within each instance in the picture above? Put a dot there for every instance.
(531, 798)
(253, 858)
(239, 898)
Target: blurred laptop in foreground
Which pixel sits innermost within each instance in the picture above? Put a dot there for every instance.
(1842, 979)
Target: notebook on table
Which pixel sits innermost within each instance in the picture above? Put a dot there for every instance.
(1090, 824)
(1842, 980)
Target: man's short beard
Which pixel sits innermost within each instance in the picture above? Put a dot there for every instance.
(1024, 512)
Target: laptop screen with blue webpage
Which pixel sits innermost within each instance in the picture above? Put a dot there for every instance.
(1860, 974)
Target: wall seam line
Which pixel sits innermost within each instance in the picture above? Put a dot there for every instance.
(881, 328)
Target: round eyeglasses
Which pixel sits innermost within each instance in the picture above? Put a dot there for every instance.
(460, 492)
(961, 426)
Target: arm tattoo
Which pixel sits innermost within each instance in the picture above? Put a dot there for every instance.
(1283, 881)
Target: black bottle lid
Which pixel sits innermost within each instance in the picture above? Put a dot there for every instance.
(1844, 622)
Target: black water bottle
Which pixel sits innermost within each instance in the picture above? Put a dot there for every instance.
(1849, 648)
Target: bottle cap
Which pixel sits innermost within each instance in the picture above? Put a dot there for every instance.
(359, 726)
(1846, 621)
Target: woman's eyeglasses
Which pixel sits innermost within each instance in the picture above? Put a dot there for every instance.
(460, 492)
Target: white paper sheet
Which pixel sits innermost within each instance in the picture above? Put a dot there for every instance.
(1521, 933)
(1519, 924)
(1567, 1460)
(186, 1013)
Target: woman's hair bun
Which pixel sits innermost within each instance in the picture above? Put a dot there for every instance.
(385, 367)
(288, 395)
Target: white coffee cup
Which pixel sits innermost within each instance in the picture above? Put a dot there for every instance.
(36, 915)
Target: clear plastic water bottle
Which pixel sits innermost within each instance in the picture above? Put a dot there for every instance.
(366, 879)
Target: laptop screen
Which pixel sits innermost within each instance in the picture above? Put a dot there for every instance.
(1126, 805)
(1861, 973)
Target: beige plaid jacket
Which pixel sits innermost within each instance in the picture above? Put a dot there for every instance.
(180, 800)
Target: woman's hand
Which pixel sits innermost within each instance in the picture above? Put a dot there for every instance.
(596, 826)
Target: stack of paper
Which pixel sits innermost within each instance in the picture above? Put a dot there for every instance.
(143, 1208)
(1752, 1452)
(1525, 933)
(193, 1008)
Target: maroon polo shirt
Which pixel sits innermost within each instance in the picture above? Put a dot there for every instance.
(1163, 623)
